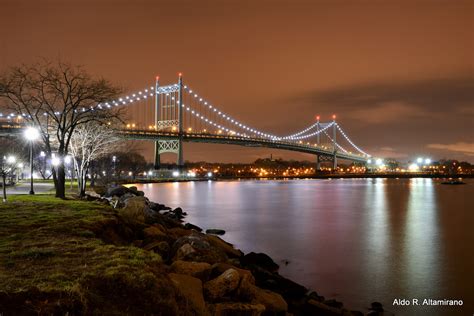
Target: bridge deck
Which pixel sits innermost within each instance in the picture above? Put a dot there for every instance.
(238, 140)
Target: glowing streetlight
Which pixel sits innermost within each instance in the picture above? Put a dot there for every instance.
(427, 161)
(175, 174)
(31, 134)
(209, 174)
(419, 160)
(55, 161)
(11, 160)
(378, 162)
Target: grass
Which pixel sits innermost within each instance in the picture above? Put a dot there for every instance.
(50, 244)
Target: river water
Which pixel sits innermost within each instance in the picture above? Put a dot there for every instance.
(354, 240)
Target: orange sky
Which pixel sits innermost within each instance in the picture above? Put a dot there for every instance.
(399, 74)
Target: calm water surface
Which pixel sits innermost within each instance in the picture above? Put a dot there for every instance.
(355, 240)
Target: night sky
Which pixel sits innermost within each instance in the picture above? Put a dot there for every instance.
(398, 74)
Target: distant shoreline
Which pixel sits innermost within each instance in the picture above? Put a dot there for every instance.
(323, 176)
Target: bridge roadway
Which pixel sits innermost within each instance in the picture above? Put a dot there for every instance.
(238, 140)
(151, 135)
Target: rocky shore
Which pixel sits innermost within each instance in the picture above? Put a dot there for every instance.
(204, 271)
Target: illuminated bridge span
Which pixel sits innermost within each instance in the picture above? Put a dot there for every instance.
(175, 113)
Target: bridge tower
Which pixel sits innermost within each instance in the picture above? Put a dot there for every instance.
(318, 158)
(169, 118)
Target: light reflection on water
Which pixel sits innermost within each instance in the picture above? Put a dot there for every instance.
(356, 240)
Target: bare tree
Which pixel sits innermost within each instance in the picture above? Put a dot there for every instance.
(57, 98)
(9, 155)
(89, 142)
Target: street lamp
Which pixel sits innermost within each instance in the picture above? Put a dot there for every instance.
(31, 134)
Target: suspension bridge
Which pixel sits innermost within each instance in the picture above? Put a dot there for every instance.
(173, 114)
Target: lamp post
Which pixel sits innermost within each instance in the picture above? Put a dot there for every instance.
(31, 134)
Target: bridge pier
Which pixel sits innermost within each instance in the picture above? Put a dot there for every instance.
(334, 162)
(318, 163)
(157, 163)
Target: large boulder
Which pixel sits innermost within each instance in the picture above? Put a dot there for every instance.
(136, 211)
(273, 302)
(118, 191)
(185, 252)
(261, 260)
(198, 249)
(200, 270)
(191, 288)
(236, 309)
(272, 281)
(223, 286)
(191, 226)
(157, 206)
(221, 267)
(215, 231)
(226, 247)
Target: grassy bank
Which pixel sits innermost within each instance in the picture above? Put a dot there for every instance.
(51, 257)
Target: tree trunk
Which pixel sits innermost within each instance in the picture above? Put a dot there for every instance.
(60, 181)
(82, 181)
(4, 176)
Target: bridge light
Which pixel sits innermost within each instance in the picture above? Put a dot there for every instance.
(157, 78)
(419, 160)
(189, 129)
(334, 116)
(180, 74)
(317, 117)
(427, 161)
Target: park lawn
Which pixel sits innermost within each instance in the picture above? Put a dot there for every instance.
(49, 244)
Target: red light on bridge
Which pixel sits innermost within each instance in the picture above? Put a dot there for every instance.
(157, 78)
(334, 116)
(317, 117)
(180, 74)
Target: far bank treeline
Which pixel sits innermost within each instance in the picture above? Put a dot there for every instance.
(63, 102)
